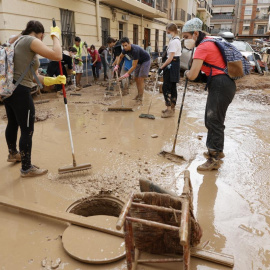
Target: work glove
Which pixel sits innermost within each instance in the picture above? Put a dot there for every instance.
(160, 71)
(61, 79)
(74, 72)
(126, 75)
(55, 32)
(116, 68)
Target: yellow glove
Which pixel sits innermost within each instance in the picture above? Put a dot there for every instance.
(74, 72)
(55, 31)
(48, 81)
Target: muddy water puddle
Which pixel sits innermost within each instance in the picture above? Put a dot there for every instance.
(232, 205)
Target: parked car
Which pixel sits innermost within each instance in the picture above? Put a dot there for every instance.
(253, 57)
(186, 54)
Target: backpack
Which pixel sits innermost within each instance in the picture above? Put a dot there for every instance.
(237, 66)
(7, 86)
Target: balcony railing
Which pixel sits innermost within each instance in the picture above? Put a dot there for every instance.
(223, 2)
(150, 3)
(260, 32)
(216, 31)
(222, 17)
(204, 4)
(162, 5)
(262, 17)
(180, 14)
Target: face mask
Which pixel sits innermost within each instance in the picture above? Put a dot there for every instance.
(169, 36)
(92, 51)
(189, 43)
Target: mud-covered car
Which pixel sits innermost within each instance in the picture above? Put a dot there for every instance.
(253, 57)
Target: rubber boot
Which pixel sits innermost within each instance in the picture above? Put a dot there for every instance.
(212, 163)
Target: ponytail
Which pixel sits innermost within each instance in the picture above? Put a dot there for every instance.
(33, 26)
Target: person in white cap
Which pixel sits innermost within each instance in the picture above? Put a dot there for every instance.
(221, 89)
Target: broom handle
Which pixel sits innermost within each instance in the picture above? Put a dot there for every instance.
(180, 115)
(66, 107)
(120, 90)
(154, 91)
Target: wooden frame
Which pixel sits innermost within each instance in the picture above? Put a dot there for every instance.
(125, 220)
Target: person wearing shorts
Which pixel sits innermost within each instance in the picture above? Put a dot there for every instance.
(141, 63)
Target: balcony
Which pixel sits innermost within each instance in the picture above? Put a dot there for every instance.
(180, 16)
(217, 31)
(262, 18)
(147, 8)
(260, 32)
(223, 2)
(203, 6)
(222, 17)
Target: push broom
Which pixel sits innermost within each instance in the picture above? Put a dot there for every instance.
(122, 108)
(74, 167)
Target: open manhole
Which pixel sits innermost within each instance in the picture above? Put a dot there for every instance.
(91, 246)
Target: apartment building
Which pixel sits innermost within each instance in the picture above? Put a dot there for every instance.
(247, 19)
(143, 21)
(253, 19)
(223, 16)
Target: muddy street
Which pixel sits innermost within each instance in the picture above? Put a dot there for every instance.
(231, 204)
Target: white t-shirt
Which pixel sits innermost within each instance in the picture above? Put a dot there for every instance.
(175, 46)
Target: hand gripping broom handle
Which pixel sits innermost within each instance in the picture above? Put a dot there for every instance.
(66, 107)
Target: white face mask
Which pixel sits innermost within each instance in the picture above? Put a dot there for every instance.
(189, 43)
(169, 36)
(92, 51)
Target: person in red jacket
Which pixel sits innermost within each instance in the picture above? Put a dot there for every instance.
(96, 61)
(221, 90)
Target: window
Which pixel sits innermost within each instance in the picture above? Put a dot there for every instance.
(156, 40)
(121, 30)
(263, 1)
(105, 30)
(164, 39)
(248, 10)
(135, 34)
(67, 27)
(246, 28)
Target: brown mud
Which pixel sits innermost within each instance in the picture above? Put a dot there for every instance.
(232, 204)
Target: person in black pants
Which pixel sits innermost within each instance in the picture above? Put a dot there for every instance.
(171, 70)
(221, 90)
(19, 106)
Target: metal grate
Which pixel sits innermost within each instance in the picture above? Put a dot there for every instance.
(68, 28)
(105, 30)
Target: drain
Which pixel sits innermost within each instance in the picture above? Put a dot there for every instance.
(90, 246)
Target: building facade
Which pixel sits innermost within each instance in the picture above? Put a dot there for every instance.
(143, 21)
(223, 16)
(247, 19)
(253, 19)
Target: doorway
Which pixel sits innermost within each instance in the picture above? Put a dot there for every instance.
(147, 37)
(105, 30)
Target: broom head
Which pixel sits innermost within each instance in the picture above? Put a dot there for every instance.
(77, 168)
(148, 116)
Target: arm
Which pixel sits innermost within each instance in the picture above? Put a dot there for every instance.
(134, 65)
(106, 57)
(40, 48)
(193, 73)
(13, 39)
(96, 58)
(169, 60)
(118, 59)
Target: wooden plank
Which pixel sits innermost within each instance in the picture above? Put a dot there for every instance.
(211, 256)
(184, 228)
(157, 208)
(66, 217)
